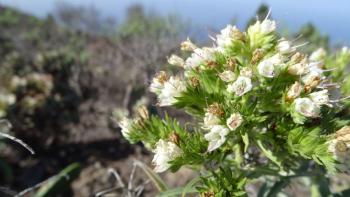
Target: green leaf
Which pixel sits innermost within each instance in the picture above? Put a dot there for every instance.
(269, 154)
(245, 139)
(60, 182)
(157, 181)
(277, 187)
(190, 186)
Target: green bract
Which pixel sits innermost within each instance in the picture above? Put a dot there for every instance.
(262, 107)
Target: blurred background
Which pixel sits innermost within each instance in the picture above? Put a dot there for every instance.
(68, 67)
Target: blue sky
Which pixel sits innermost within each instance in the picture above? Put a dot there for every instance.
(332, 17)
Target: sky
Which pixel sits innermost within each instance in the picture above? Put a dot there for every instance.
(331, 17)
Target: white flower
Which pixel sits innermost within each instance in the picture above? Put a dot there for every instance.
(320, 97)
(187, 45)
(227, 35)
(268, 67)
(227, 76)
(216, 137)
(315, 67)
(176, 60)
(294, 91)
(318, 55)
(158, 82)
(285, 47)
(241, 86)
(234, 121)
(165, 151)
(172, 89)
(198, 57)
(210, 120)
(306, 107)
(126, 125)
(267, 26)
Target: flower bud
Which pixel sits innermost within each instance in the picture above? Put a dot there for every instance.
(320, 97)
(311, 80)
(227, 76)
(176, 61)
(298, 69)
(285, 47)
(216, 137)
(294, 91)
(297, 57)
(258, 54)
(187, 45)
(318, 55)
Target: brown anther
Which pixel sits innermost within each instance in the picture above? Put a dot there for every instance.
(307, 88)
(175, 138)
(215, 109)
(162, 77)
(231, 63)
(313, 83)
(208, 194)
(237, 34)
(258, 54)
(194, 81)
(297, 57)
(212, 64)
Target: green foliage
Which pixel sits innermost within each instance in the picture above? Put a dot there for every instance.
(223, 182)
(311, 145)
(61, 182)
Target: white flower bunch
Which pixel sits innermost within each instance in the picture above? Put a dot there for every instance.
(165, 151)
(259, 103)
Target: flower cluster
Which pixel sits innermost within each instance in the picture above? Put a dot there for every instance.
(339, 145)
(251, 92)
